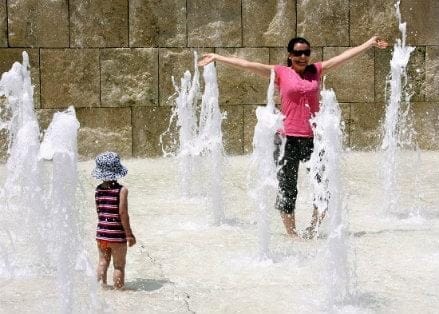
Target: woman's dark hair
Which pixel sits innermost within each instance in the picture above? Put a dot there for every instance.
(296, 40)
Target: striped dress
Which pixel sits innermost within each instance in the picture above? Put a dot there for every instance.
(109, 226)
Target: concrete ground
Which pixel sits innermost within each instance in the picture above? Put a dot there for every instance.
(183, 264)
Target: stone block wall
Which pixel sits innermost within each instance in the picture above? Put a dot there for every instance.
(113, 61)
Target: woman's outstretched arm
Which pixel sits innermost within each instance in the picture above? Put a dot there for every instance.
(255, 67)
(345, 56)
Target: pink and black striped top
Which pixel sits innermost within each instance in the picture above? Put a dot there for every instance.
(109, 226)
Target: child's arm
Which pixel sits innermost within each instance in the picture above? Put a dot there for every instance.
(124, 217)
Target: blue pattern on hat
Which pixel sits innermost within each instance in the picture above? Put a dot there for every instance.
(108, 167)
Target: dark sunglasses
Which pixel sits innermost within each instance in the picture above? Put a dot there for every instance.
(299, 53)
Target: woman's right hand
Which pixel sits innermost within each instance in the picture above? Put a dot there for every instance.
(378, 42)
(206, 59)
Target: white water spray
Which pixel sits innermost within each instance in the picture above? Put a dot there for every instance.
(22, 198)
(40, 217)
(185, 111)
(263, 168)
(269, 121)
(59, 145)
(393, 128)
(201, 145)
(326, 175)
(210, 139)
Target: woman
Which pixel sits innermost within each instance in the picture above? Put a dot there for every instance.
(299, 86)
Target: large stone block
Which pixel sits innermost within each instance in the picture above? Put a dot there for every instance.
(101, 129)
(38, 23)
(98, 23)
(415, 74)
(149, 123)
(422, 21)
(104, 129)
(237, 86)
(3, 24)
(346, 123)
(432, 74)
(382, 72)
(158, 23)
(324, 22)
(354, 81)
(69, 77)
(174, 62)
(129, 77)
(250, 121)
(10, 55)
(44, 117)
(214, 23)
(426, 123)
(365, 125)
(233, 129)
(269, 23)
(373, 17)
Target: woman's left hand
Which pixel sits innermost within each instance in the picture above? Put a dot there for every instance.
(376, 41)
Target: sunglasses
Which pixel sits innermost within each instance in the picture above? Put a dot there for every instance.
(299, 53)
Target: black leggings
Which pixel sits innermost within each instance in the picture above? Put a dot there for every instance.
(296, 149)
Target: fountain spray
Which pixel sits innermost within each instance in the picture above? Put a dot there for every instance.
(59, 145)
(210, 141)
(269, 121)
(185, 111)
(393, 126)
(200, 144)
(24, 210)
(41, 221)
(326, 178)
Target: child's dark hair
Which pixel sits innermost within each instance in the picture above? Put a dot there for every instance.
(296, 40)
(299, 40)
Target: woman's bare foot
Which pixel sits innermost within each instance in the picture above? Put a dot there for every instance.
(105, 286)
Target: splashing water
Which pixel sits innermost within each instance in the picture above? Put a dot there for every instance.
(269, 121)
(21, 194)
(185, 112)
(210, 141)
(59, 145)
(394, 126)
(40, 217)
(325, 167)
(201, 145)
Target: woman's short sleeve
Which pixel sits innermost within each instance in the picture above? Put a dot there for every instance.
(319, 68)
(278, 70)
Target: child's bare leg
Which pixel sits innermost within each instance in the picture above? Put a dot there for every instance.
(289, 223)
(119, 252)
(104, 262)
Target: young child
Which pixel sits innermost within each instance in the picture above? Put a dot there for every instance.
(113, 230)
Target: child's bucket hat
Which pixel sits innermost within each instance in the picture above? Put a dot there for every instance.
(108, 167)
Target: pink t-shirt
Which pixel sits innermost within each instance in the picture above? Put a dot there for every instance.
(299, 98)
